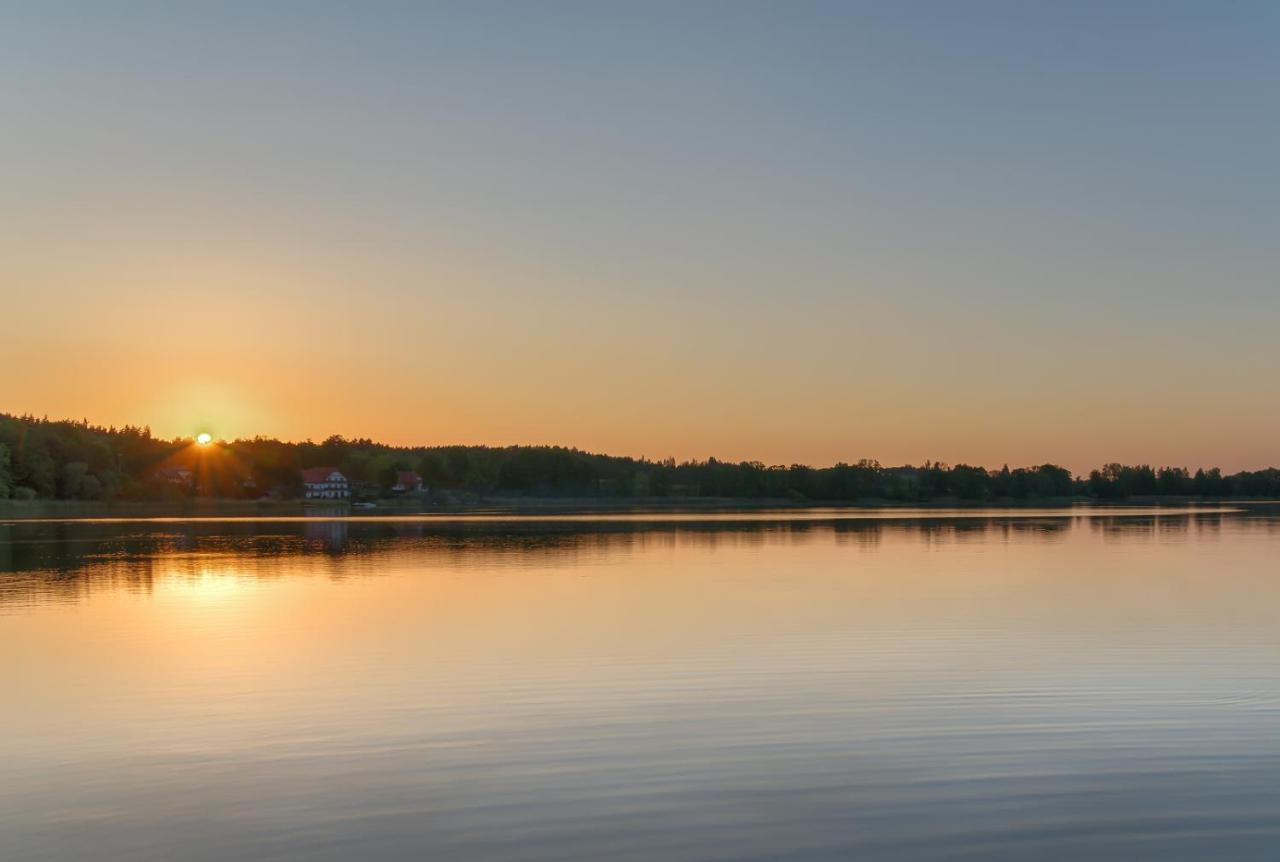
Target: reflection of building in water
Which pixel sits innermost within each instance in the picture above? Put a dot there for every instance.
(43, 561)
(1209, 523)
(184, 538)
(332, 534)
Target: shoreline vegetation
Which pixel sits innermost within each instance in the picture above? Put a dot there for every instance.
(76, 467)
(525, 507)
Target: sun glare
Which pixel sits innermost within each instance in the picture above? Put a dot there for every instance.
(204, 438)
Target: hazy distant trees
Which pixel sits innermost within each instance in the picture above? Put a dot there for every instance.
(1175, 481)
(6, 475)
(75, 460)
(1047, 480)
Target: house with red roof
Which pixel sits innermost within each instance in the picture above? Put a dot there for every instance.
(325, 483)
(407, 481)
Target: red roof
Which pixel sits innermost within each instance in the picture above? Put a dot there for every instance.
(408, 477)
(316, 475)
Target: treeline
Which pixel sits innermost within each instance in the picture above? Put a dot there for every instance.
(42, 459)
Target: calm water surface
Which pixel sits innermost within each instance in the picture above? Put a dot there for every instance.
(988, 685)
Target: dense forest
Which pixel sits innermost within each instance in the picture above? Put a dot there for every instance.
(43, 459)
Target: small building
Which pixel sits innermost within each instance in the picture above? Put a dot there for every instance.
(325, 483)
(407, 481)
(175, 476)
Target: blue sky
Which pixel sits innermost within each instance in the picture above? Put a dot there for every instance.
(980, 231)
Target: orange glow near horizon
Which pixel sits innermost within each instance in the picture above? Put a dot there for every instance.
(766, 247)
(692, 421)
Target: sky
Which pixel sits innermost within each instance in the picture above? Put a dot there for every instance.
(789, 232)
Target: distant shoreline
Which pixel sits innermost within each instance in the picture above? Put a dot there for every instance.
(29, 509)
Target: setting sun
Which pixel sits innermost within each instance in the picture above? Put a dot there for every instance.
(644, 430)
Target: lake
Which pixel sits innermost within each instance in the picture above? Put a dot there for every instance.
(873, 685)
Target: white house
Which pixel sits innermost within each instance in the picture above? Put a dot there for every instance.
(325, 483)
